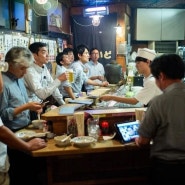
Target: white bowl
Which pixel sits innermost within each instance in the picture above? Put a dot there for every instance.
(59, 142)
(83, 141)
(38, 123)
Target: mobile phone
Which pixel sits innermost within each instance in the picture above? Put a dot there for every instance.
(44, 102)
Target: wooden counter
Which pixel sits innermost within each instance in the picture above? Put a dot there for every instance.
(105, 162)
(98, 147)
(59, 122)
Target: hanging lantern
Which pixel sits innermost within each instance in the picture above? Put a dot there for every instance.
(41, 1)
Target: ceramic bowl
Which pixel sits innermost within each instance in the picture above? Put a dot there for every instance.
(59, 142)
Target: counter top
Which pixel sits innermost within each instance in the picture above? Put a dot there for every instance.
(98, 147)
(112, 112)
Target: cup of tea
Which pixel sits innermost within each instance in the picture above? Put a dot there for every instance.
(70, 75)
(3, 66)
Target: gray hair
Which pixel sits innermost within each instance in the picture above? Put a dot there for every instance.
(19, 55)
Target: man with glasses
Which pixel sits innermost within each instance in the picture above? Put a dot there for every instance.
(149, 90)
(96, 70)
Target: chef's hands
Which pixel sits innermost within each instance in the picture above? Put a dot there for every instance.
(105, 97)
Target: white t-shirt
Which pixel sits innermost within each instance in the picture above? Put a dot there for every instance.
(148, 91)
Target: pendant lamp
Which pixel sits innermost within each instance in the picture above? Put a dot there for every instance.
(41, 1)
(96, 18)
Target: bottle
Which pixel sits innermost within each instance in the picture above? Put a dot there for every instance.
(105, 128)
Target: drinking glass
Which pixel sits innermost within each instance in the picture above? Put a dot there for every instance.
(93, 127)
(70, 76)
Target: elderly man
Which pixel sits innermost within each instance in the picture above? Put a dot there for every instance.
(14, 109)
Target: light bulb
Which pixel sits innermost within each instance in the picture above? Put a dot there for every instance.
(96, 19)
(41, 1)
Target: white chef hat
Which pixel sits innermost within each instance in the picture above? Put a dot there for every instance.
(146, 53)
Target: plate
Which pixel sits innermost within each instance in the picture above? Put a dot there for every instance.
(83, 141)
(25, 134)
(106, 138)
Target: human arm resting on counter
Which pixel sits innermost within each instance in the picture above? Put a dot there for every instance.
(10, 139)
(101, 78)
(108, 97)
(92, 82)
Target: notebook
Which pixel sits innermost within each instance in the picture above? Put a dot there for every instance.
(85, 101)
(127, 131)
(69, 109)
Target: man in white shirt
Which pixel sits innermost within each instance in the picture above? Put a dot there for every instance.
(38, 81)
(149, 90)
(96, 70)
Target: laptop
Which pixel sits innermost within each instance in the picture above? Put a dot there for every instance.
(128, 131)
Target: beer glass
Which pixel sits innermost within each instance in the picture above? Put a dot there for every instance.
(70, 75)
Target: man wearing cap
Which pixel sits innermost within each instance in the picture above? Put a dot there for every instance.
(149, 90)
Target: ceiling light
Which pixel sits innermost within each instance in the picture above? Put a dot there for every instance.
(41, 1)
(96, 19)
(96, 16)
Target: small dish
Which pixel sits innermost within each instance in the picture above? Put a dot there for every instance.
(25, 134)
(83, 141)
(106, 138)
(61, 141)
